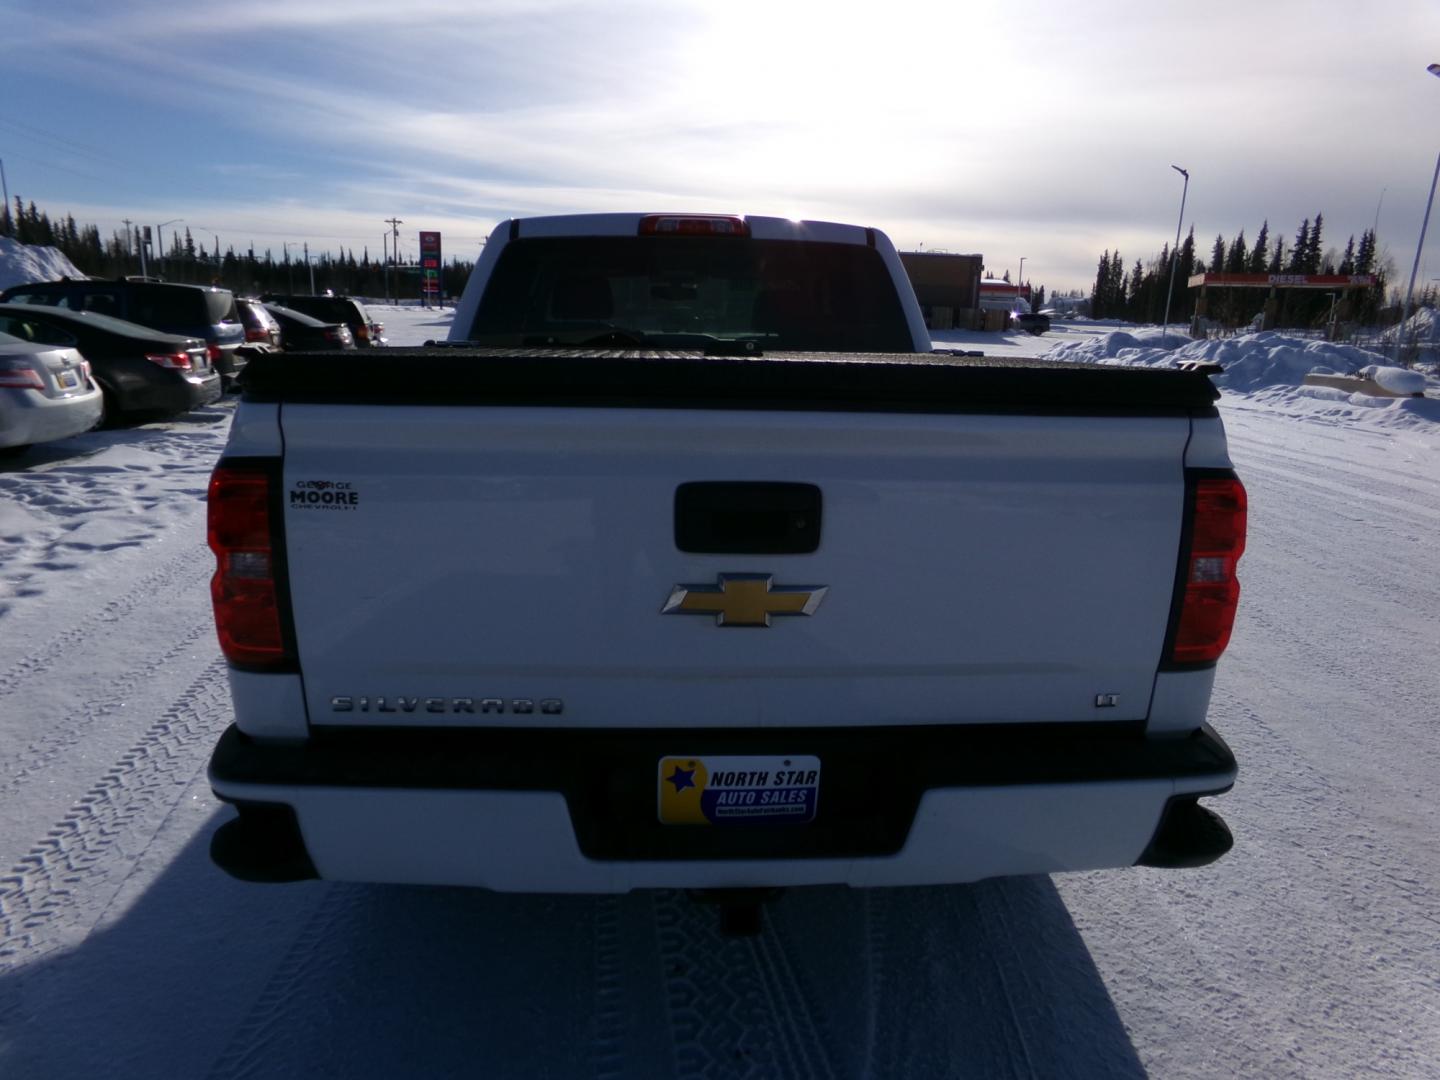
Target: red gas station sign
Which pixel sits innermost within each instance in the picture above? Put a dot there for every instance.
(430, 263)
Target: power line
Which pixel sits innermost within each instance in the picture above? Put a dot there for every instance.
(29, 132)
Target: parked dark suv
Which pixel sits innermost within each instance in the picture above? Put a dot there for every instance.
(197, 311)
(336, 309)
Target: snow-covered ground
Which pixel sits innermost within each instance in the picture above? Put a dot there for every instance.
(1312, 950)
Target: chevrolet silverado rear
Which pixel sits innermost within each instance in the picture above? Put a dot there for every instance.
(687, 564)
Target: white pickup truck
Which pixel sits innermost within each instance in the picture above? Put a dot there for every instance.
(686, 563)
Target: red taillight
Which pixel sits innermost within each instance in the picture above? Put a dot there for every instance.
(255, 334)
(214, 352)
(175, 361)
(1211, 590)
(244, 590)
(692, 225)
(21, 378)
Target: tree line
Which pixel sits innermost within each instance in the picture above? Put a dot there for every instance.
(244, 273)
(1139, 293)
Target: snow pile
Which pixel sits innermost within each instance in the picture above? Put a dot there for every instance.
(1423, 326)
(1271, 367)
(24, 263)
(1396, 380)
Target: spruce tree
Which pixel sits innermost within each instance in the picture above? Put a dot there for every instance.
(1116, 290)
(1312, 253)
(1347, 261)
(1237, 258)
(1260, 252)
(1217, 255)
(1365, 256)
(1102, 284)
(1300, 251)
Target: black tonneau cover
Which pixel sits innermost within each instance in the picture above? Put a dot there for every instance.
(616, 378)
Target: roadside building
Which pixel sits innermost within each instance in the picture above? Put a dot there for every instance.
(1342, 289)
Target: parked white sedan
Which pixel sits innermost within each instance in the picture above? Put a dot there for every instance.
(46, 392)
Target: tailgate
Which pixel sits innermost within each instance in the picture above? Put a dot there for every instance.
(509, 565)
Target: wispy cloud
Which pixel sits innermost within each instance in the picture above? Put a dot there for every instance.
(1046, 132)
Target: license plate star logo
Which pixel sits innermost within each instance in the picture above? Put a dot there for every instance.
(744, 599)
(682, 778)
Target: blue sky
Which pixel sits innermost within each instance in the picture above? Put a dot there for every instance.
(1040, 130)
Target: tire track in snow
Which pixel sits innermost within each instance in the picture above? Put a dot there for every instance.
(180, 574)
(607, 1047)
(60, 888)
(62, 735)
(737, 1007)
(880, 1049)
(804, 1032)
(286, 993)
(1355, 504)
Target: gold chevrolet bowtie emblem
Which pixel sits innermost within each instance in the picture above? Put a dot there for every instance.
(744, 600)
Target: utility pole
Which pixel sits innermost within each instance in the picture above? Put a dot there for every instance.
(140, 240)
(311, 268)
(385, 262)
(1175, 255)
(1434, 69)
(5, 186)
(289, 270)
(126, 223)
(395, 224)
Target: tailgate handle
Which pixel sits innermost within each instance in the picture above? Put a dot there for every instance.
(745, 518)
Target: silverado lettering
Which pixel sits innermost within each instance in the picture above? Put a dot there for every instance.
(401, 703)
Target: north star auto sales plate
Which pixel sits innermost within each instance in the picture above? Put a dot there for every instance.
(708, 790)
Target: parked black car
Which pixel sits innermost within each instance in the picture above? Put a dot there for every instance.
(261, 328)
(140, 371)
(301, 331)
(189, 310)
(337, 309)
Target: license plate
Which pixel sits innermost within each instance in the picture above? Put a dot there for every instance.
(732, 790)
(68, 380)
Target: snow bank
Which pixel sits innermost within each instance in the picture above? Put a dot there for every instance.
(1422, 326)
(23, 263)
(1396, 380)
(1271, 367)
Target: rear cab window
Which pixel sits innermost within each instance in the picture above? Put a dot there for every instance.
(689, 291)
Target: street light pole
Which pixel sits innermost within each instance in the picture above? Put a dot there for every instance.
(160, 240)
(1174, 256)
(1020, 281)
(1434, 69)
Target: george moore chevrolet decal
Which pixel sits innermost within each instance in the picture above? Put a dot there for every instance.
(744, 599)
